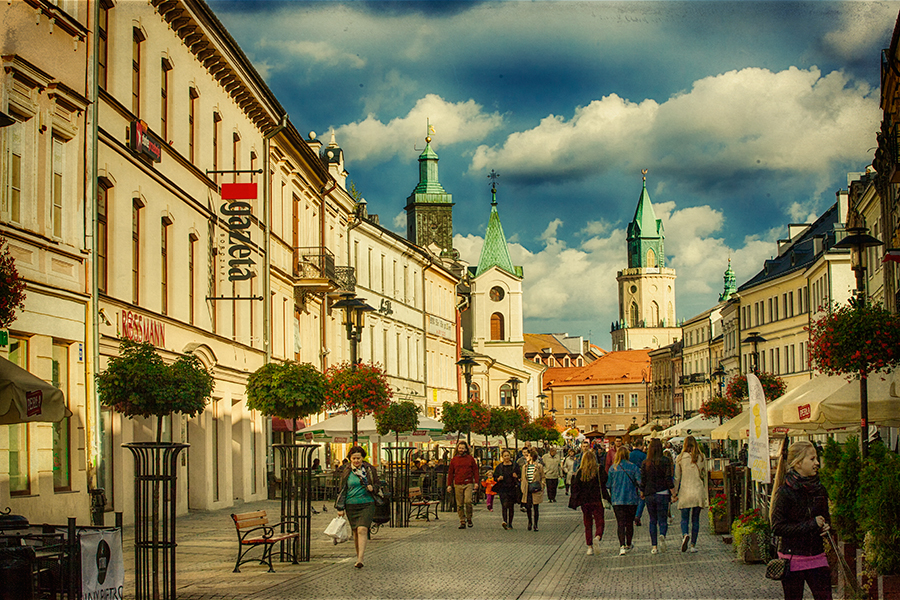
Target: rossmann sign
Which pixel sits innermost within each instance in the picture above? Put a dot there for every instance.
(237, 212)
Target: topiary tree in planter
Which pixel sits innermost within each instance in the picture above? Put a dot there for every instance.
(137, 383)
(398, 417)
(879, 511)
(465, 417)
(289, 390)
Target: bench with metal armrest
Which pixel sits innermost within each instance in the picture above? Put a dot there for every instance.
(253, 529)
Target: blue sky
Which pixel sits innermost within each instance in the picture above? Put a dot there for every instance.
(748, 116)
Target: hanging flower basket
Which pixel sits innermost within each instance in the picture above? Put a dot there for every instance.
(855, 339)
(773, 387)
(362, 388)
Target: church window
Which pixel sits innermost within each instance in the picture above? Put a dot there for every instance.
(654, 314)
(633, 315)
(497, 293)
(651, 257)
(497, 331)
(634, 289)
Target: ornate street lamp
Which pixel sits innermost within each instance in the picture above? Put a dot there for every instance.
(514, 383)
(719, 375)
(754, 338)
(858, 241)
(355, 310)
(467, 364)
(542, 397)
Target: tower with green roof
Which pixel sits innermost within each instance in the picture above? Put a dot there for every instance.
(646, 285)
(730, 284)
(429, 209)
(493, 323)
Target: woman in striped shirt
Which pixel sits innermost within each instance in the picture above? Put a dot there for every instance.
(533, 483)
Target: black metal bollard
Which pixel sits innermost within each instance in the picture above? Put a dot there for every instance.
(155, 472)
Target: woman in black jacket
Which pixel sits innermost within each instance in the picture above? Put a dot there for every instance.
(799, 516)
(588, 492)
(657, 487)
(506, 484)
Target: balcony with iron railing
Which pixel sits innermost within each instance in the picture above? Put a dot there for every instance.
(315, 271)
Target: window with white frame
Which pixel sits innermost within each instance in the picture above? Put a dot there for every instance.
(567, 401)
(607, 400)
(594, 401)
(620, 400)
(579, 400)
(634, 400)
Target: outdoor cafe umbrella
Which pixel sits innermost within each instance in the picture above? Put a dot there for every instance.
(697, 426)
(342, 426)
(25, 398)
(838, 405)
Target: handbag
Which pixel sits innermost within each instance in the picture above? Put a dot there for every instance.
(534, 487)
(777, 567)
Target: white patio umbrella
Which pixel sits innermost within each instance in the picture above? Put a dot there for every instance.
(26, 398)
(342, 426)
(646, 428)
(837, 405)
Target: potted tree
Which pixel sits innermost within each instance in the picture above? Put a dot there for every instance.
(289, 390)
(138, 383)
(398, 417)
(464, 417)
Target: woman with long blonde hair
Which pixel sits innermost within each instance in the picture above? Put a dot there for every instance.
(799, 516)
(588, 491)
(691, 491)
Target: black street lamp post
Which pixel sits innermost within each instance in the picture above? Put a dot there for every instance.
(467, 364)
(542, 397)
(755, 339)
(355, 310)
(858, 241)
(514, 383)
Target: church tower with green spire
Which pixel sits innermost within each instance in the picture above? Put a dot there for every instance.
(730, 284)
(429, 209)
(646, 286)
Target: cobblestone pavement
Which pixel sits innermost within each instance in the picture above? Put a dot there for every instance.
(438, 560)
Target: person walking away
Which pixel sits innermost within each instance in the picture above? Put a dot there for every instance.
(615, 442)
(588, 492)
(462, 478)
(799, 516)
(624, 481)
(533, 484)
(568, 468)
(657, 487)
(637, 457)
(552, 471)
(691, 490)
(356, 498)
(506, 477)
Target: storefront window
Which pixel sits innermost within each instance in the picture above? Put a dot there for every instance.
(19, 482)
(61, 434)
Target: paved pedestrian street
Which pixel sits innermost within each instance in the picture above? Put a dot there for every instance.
(438, 560)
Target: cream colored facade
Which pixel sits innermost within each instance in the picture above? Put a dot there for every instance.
(779, 307)
(646, 308)
(42, 183)
(701, 355)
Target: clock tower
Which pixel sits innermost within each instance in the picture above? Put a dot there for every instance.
(646, 286)
(429, 209)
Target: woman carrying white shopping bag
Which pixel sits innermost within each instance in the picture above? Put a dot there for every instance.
(358, 494)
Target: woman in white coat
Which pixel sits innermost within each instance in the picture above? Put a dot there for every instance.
(691, 491)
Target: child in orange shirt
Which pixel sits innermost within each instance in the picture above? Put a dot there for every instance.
(489, 493)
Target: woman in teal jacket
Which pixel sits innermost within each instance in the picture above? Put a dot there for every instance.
(624, 481)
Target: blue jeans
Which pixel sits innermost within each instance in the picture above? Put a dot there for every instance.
(640, 509)
(692, 513)
(658, 509)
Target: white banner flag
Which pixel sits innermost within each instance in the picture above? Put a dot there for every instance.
(102, 565)
(758, 452)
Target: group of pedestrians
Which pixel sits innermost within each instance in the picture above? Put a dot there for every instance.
(628, 480)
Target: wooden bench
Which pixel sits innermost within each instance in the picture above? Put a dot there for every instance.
(253, 530)
(422, 505)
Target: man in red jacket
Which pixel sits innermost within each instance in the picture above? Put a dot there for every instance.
(462, 477)
(615, 442)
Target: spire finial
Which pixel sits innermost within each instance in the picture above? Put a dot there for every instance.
(429, 130)
(644, 173)
(493, 177)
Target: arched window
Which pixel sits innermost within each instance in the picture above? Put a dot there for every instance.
(497, 330)
(633, 315)
(654, 315)
(651, 257)
(476, 392)
(506, 397)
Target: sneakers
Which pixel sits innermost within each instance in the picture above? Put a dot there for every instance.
(505, 526)
(469, 523)
(693, 549)
(622, 551)
(662, 543)
(597, 539)
(685, 542)
(629, 547)
(590, 551)
(654, 550)
(462, 524)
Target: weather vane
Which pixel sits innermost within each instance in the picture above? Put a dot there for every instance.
(493, 177)
(644, 173)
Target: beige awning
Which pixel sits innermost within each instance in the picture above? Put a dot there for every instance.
(837, 406)
(26, 398)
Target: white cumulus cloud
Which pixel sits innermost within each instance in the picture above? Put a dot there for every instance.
(374, 141)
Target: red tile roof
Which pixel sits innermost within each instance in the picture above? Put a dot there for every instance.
(624, 366)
